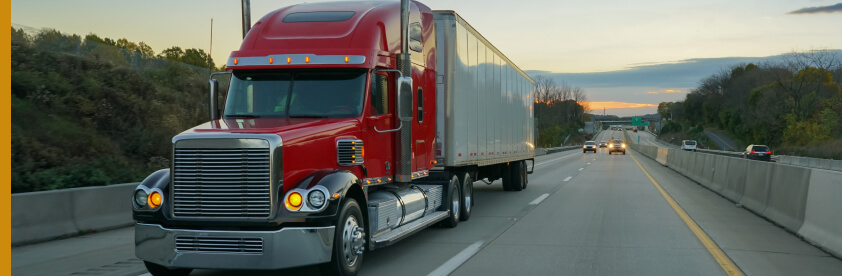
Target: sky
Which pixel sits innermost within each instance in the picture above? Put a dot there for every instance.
(617, 51)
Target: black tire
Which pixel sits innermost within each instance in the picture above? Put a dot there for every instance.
(505, 175)
(467, 196)
(516, 175)
(453, 204)
(624, 152)
(348, 241)
(525, 173)
(159, 270)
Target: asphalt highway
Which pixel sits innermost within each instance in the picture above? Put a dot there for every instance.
(581, 214)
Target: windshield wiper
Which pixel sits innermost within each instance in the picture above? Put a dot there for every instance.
(241, 116)
(308, 116)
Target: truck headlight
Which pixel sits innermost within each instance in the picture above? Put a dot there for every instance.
(316, 199)
(140, 197)
(624, 145)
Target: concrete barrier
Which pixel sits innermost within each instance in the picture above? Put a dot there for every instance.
(662, 156)
(823, 218)
(756, 193)
(41, 216)
(788, 196)
(735, 182)
(720, 173)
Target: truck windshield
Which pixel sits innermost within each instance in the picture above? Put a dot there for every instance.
(296, 94)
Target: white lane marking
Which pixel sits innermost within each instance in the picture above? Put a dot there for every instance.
(539, 199)
(589, 163)
(451, 265)
(145, 274)
(580, 169)
(568, 178)
(545, 162)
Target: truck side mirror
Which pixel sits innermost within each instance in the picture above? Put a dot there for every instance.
(405, 99)
(213, 106)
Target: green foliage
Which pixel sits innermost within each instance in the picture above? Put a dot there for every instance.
(84, 116)
(793, 104)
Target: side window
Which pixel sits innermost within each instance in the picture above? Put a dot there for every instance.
(420, 105)
(379, 95)
(415, 37)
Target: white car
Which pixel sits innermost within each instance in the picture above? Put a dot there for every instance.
(688, 145)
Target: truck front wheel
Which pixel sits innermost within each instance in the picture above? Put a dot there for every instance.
(348, 241)
(159, 270)
(517, 175)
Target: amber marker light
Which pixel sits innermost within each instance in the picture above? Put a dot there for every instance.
(236, 60)
(155, 200)
(434, 162)
(346, 59)
(271, 60)
(294, 201)
(307, 59)
(336, 196)
(289, 60)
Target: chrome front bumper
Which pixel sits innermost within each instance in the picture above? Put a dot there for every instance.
(288, 247)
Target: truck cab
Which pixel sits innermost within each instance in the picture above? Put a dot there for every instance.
(324, 146)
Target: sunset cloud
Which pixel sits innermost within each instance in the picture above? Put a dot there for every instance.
(666, 91)
(618, 105)
(824, 9)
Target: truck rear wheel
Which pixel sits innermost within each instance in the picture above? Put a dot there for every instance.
(467, 196)
(348, 241)
(454, 203)
(159, 270)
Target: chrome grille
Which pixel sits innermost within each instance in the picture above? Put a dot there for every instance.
(222, 183)
(349, 152)
(219, 245)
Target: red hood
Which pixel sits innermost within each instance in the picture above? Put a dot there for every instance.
(288, 128)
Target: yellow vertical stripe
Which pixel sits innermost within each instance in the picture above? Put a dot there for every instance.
(714, 250)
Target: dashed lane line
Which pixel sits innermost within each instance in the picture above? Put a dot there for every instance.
(454, 263)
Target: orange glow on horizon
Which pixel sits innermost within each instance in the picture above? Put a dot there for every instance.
(616, 105)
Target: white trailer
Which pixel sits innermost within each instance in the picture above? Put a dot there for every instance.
(485, 114)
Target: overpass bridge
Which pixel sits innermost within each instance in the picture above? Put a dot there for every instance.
(582, 214)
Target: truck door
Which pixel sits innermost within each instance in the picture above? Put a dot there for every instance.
(380, 147)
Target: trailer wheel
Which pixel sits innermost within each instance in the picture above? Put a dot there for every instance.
(159, 270)
(517, 174)
(454, 203)
(525, 174)
(467, 196)
(348, 241)
(506, 175)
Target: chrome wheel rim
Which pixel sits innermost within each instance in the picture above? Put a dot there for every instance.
(454, 202)
(352, 241)
(469, 192)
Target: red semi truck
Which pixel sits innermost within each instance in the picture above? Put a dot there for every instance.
(346, 127)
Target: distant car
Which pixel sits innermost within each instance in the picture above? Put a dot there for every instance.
(619, 129)
(688, 145)
(758, 152)
(617, 145)
(635, 130)
(603, 144)
(589, 146)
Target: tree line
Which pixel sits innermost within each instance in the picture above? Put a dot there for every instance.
(98, 111)
(559, 112)
(793, 104)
